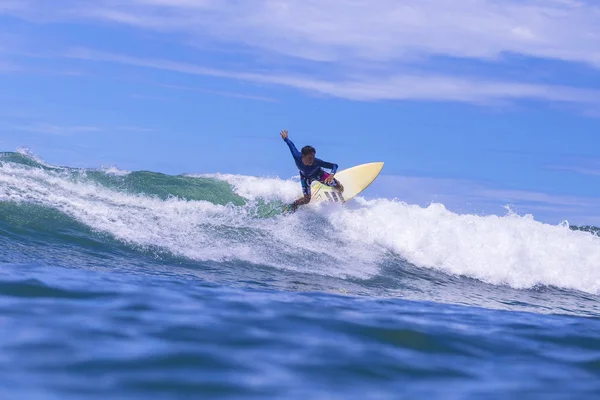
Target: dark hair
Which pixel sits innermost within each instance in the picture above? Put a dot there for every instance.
(306, 150)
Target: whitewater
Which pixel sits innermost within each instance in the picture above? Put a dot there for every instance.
(419, 295)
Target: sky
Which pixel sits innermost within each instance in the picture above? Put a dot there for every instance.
(482, 105)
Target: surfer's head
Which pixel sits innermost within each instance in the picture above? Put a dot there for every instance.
(308, 155)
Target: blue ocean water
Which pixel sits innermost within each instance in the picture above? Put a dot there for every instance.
(118, 284)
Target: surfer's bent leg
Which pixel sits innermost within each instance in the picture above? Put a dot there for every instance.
(305, 191)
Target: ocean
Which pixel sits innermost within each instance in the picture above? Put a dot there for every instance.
(135, 284)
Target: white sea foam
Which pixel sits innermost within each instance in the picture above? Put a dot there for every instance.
(513, 250)
(252, 188)
(29, 154)
(115, 171)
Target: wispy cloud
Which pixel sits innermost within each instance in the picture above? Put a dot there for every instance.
(13, 7)
(52, 129)
(360, 29)
(56, 129)
(579, 170)
(7, 67)
(579, 165)
(220, 93)
(532, 197)
(148, 97)
(376, 50)
(136, 129)
(397, 87)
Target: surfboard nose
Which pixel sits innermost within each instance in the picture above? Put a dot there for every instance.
(377, 164)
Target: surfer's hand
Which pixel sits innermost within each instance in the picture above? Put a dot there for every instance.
(284, 134)
(329, 179)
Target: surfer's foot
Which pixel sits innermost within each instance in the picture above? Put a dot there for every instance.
(340, 187)
(290, 208)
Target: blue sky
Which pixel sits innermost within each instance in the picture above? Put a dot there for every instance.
(476, 104)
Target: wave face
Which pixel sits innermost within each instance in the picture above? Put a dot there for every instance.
(222, 227)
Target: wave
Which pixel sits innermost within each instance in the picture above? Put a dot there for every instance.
(223, 218)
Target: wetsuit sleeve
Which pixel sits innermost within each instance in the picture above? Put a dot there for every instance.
(293, 148)
(333, 167)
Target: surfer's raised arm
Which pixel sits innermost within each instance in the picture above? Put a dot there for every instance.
(293, 149)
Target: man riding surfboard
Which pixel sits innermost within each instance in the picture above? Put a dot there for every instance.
(310, 169)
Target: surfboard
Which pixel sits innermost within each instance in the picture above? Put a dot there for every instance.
(354, 179)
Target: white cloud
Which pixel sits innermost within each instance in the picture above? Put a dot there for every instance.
(52, 129)
(580, 165)
(360, 29)
(374, 48)
(526, 196)
(149, 97)
(7, 67)
(55, 129)
(12, 6)
(134, 129)
(398, 87)
(579, 170)
(220, 93)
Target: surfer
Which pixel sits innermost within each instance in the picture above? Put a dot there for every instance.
(310, 169)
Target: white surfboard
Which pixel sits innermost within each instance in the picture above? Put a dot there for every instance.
(355, 180)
